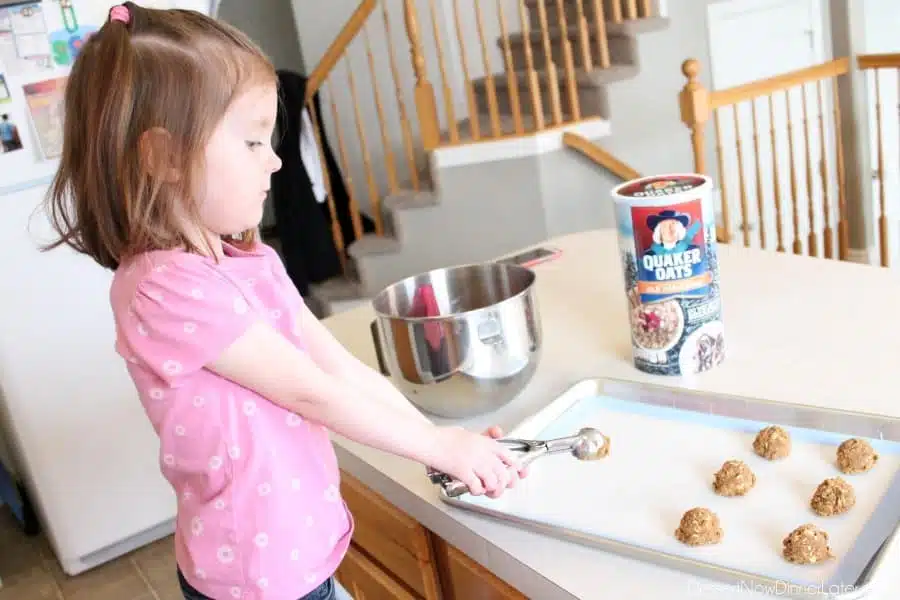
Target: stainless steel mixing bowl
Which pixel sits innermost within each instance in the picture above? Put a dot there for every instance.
(459, 341)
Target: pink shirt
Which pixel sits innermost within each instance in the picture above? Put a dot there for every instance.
(260, 515)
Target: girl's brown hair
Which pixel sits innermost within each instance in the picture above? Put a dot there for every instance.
(140, 92)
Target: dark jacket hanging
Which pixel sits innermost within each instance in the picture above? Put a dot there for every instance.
(303, 224)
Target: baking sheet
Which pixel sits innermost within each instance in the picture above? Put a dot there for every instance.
(665, 448)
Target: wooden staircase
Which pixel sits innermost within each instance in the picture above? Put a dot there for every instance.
(557, 59)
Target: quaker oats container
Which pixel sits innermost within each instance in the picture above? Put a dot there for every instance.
(667, 241)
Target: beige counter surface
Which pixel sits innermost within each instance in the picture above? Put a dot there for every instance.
(798, 330)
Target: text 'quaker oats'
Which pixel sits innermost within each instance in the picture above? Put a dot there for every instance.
(667, 240)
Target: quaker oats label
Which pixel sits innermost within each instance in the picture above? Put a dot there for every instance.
(666, 230)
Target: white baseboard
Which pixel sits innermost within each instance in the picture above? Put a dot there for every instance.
(339, 306)
(516, 147)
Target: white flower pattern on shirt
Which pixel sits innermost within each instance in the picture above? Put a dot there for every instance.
(172, 367)
(332, 494)
(225, 554)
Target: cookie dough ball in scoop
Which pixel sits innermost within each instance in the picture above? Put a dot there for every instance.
(772, 443)
(734, 479)
(699, 527)
(806, 545)
(833, 497)
(856, 456)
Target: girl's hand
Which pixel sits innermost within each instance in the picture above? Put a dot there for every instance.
(496, 432)
(483, 464)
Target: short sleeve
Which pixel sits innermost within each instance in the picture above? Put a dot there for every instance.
(183, 316)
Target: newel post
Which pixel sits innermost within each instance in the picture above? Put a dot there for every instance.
(695, 112)
(426, 105)
(694, 101)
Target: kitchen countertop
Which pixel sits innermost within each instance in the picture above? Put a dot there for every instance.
(798, 330)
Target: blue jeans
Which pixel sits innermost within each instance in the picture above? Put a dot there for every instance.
(326, 591)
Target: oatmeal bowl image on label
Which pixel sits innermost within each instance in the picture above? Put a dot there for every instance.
(667, 242)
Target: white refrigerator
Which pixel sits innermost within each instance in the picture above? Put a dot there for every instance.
(70, 416)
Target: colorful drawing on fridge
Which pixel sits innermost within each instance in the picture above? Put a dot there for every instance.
(45, 104)
(24, 45)
(10, 138)
(5, 96)
(39, 42)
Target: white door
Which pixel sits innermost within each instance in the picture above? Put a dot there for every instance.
(881, 22)
(752, 40)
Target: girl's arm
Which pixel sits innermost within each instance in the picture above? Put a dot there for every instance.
(267, 363)
(262, 360)
(331, 356)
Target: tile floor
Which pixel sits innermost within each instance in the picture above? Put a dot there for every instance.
(29, 571)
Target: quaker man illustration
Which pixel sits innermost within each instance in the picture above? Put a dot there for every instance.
(672, 232)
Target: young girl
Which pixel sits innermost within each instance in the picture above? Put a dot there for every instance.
(165, 167)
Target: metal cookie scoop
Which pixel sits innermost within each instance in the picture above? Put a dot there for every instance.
(588, 444)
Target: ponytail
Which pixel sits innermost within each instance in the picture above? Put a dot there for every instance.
(94, 168)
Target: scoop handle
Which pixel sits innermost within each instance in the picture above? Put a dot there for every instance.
(455, 488)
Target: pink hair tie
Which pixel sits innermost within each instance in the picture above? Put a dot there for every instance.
(120, 13)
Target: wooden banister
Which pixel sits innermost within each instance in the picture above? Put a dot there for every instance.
(337, 48)
(878, 61)
(735, 114)
(874, 65)
(600, 156)
(756, 89)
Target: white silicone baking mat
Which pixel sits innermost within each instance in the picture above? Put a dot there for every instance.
(662, 462)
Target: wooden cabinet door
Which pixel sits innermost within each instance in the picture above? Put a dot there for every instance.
(464, 579)
(395, 541)
(365, 580)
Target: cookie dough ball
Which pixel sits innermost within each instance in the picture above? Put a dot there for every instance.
(772, 443)
(734, 479)
(856, 456)
(833, 497)
(806, 545)
(699, 527)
